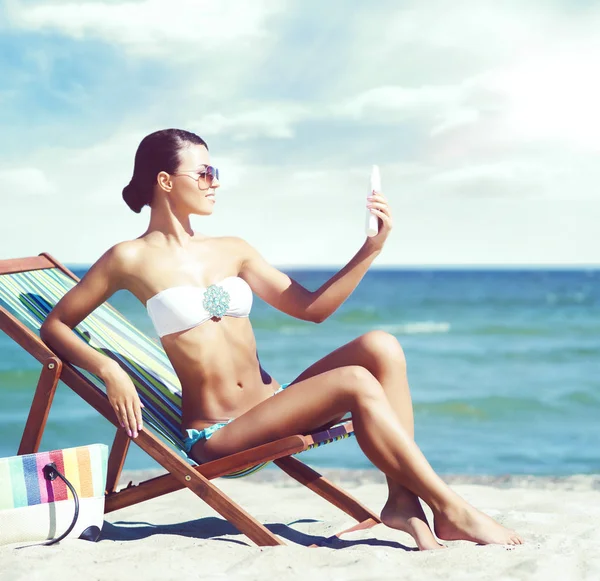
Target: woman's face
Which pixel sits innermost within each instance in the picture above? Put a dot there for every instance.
(193, 190)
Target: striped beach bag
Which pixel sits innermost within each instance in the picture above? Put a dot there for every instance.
(51, 495)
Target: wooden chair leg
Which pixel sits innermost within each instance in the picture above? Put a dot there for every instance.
(40, 406)
(116, 460)
(361, 526)
(207, 491)
(329, 491)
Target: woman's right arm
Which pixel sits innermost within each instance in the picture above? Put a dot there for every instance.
(101, 281)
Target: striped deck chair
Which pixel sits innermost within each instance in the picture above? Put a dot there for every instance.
(29, 289)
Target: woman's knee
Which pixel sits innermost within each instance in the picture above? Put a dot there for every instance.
(382, 346)
(357, 382)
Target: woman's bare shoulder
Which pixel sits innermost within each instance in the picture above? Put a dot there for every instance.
(237, 248)
(120, 260)
(235, 244)
(124, 255)
(108, 274)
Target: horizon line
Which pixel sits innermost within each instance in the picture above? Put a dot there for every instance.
(474, 266)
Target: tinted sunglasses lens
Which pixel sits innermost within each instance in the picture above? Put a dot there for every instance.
(209, 174)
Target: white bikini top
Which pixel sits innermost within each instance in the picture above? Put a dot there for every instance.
(179, 308)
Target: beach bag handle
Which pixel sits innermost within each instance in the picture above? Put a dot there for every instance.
(51, 473)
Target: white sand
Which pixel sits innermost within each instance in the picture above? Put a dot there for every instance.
(178, 537)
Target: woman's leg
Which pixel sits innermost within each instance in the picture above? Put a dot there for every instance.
(382, 355)
(315, 401)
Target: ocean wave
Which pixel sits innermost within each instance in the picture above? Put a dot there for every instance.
(538, 302)
(366, 314)
(551, 354)
(574, 298)
(415, 328)
(486, 408)
(294, 330)
(582, 398)
(19, 380)
(291, 326)
(512, 330)
(544, 329)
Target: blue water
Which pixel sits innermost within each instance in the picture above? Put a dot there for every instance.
(504, 367)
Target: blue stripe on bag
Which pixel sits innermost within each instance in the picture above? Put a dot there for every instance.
(31, 480)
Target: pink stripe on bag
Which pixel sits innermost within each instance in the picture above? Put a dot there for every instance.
(46, 494)
(58, 486)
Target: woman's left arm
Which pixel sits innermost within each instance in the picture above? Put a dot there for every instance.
(287, 295)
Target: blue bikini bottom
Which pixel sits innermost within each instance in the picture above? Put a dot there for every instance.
(194, 436)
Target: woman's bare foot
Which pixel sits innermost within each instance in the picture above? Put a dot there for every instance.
(466, 523)
(405, 513)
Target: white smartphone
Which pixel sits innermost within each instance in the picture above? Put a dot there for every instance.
(372, 221)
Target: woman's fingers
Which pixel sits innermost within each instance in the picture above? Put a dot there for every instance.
(382, 208)
(378, 206)
(383, 216)
(378, 201)
(134, 414)
(138, 414)
(118, 412)
(125, 400)
(131, 419)
(129, 415)
(124, 417)
(377, 195)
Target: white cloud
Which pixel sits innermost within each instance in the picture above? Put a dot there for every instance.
(25, 182)
(276, 120)
(150, 27)
(383, 102)
(460, 117)
(513, 178)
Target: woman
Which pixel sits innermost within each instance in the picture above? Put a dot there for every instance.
(198, 291)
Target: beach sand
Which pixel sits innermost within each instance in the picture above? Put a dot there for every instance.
(179, 537)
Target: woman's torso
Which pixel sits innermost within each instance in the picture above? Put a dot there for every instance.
(216, 361)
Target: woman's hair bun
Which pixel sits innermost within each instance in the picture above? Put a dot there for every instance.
(133, 197)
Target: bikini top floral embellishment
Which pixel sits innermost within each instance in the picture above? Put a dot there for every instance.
(216, 301)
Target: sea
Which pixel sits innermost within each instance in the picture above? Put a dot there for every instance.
(503, 366)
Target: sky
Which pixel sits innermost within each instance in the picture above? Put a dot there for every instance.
(482, 115)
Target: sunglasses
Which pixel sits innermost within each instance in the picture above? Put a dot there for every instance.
(208, 174)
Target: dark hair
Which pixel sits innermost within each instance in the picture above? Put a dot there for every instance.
(157, 152)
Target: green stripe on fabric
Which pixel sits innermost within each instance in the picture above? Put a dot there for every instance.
(17, 477)
(6, 494)
(246, 472)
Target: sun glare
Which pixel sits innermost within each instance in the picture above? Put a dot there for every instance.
(554, 98)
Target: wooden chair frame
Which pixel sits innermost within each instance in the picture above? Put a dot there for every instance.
(180, 474)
